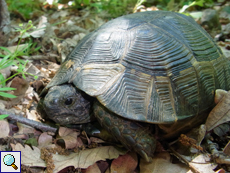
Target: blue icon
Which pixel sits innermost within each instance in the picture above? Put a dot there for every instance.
(9, 160)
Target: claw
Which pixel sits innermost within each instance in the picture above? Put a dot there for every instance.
(145, 156)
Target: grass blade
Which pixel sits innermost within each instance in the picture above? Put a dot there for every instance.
(7, 95)
(3, 116)
(7, 89)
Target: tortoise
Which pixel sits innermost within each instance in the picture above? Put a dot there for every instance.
(153, 67)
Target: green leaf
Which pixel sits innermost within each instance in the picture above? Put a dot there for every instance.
(32, 141)
(196, 15)
(7, 95)
(6, 57)
(2, 79)
(6, 62)
(86, 2)
(199, 3)
(23, 75)
(7, 89)
(20, 66)
(3, 116)
(4, 48)
(1, 55)
(26, 34)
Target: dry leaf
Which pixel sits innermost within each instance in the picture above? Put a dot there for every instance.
(21, 136)
(96, 140)
(32, 115)
(4, 128)
(6, 72)
(40, 30)
(125, 163)
(93, 169)
(79, 142)
(220, 113)
(32, 69)
(18, 47)
(44, 139)
(202, 164)
(159, 165)
(219, 94)
(63, 131)
(227, 149)
(220, 171)
(21, 86)
(85, 158)
(29, 156)
(69, 136)
(103, 165)
(25, 129)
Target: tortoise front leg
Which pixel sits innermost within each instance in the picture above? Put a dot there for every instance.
(131, 134)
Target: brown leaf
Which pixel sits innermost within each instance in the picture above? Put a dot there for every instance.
(70, 137)
(159, 165)
(125, 163)
(40, 30)
(227, 149)
(4, 128)
(32, 115)
(96, 140)
(93, 169)
(6, 72)
(85, 158)
(202, 164)
(25, 129)
(17, 47)
(44, 139)
(79, 142)
(219, 94)
(21, 86)
(38, 85)
(220, 113)
(63, 131)
(103, 165)
(29, 156)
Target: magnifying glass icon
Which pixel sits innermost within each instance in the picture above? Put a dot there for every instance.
(9, 160)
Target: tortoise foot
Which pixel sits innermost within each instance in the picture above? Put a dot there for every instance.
(131, 134)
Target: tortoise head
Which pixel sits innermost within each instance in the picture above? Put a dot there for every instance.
(65, 104)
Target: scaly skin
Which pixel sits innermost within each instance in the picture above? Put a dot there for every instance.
(57, 106)
(131, 134)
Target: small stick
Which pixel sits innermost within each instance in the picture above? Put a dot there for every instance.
(26, 121)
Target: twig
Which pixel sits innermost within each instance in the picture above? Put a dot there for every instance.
(183, 159)
(35, 124)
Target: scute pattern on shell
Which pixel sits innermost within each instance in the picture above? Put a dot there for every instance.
(156, 67)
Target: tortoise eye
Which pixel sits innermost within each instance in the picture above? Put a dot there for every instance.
(68, 101)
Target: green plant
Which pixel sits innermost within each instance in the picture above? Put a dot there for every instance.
(12, 58)
(23, 7)
(138, 4)
(3, 116)
(194, 3)
(3, 94)
(176, 5)
(118, 7)
(114, 8)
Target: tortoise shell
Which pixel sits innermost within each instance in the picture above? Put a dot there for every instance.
(155, 67)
